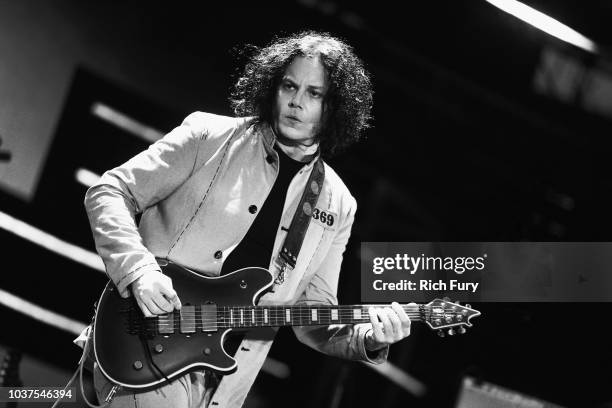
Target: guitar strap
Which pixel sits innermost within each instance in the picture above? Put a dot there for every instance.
(301, 219)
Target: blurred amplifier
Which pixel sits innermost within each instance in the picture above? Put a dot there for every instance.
(481, 394)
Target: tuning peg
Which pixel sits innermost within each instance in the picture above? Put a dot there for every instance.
(451, 332)
(468, 305)
(441, 333)
(457, 302)
(461, 330)
(446, 299)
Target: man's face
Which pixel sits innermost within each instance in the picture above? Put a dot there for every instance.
(299, 101)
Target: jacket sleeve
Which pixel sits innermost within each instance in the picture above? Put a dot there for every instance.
(341, 340)
(129, 189)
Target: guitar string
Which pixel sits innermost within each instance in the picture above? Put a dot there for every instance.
(248, 313)
(284, 311)
(308, 311)
(262, 316)
(292, 316)
(277, 312)
(293, 312)
(260, 322)
(257, 322)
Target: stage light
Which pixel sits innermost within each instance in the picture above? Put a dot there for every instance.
(399, 377)
(36, 312)
(545, 23)
(50, 242)
(126, 123)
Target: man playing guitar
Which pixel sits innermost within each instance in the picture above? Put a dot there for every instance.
(218, 194)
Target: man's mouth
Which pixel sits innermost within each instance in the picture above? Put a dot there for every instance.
(293, 118)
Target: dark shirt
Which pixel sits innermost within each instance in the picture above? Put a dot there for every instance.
(256, 247)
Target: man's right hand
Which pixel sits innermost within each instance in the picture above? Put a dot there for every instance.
(154, 294)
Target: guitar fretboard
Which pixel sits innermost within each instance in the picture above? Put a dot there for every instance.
(303, 315)
(191, 319)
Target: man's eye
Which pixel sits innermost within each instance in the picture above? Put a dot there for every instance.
(288, 85)
(315, 94)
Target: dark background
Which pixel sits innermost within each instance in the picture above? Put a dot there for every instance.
(462, 149)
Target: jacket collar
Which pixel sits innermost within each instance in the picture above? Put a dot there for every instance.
(269, 138)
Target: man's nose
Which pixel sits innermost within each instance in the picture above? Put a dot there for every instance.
(296, 100)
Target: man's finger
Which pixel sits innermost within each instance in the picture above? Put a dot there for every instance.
(162, 304)
(151, 306)
(403, 318)
(396, 322)
(144, 308)
(172, 297)
(400, 312)
(376, 324)
(175, 301)
(386, 323)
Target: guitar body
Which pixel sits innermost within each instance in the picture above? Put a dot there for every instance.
(131, 352)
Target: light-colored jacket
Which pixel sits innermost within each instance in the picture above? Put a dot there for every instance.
(194, 188)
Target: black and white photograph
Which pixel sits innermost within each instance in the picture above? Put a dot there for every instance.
(305, 203)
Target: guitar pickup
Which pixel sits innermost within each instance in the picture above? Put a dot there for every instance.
(188, 319)
(165, 324)
(209, 317)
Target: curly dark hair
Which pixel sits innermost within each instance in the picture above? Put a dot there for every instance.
(347, 104)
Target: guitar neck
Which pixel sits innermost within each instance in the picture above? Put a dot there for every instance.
(302, 315)
(210, 317)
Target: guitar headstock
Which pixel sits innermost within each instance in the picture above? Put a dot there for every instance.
(442, 314)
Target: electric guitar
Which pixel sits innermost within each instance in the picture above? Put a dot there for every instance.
(140, 352)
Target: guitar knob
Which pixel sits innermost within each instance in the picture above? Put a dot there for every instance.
(461, 330)
(441, 333)
(159, 348)
(451, 332)
(137, 364)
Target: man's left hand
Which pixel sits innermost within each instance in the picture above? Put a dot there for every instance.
(389, 325)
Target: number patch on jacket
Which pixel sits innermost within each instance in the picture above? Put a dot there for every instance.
(325, 218)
